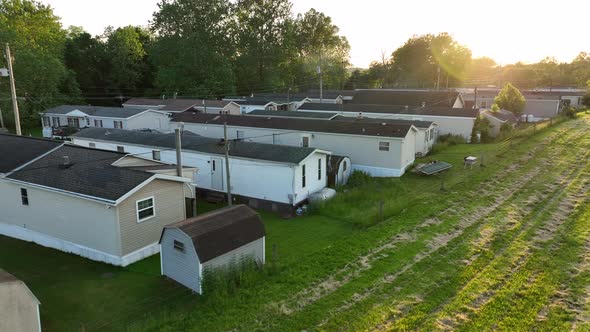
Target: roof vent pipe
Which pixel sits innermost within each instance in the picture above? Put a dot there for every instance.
(65, 162)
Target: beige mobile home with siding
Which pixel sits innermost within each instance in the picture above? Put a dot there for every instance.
(75, 200)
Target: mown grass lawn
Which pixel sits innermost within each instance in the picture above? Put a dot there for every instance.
(324, 245)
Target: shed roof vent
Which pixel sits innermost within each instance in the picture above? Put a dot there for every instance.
(65, 162)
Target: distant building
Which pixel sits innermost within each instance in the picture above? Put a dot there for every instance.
(214, 240)
(19, 308)
(410, 98)
(498, 119)
(60, 120)
(209, 106)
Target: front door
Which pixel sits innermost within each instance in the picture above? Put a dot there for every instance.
(216, 174)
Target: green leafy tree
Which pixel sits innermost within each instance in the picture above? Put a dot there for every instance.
(263, 31)
(126, 50)
(510, 99)
(418, 61)
(192, 51)
(37, 43)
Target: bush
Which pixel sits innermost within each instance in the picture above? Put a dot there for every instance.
(218, 283)
(451, 139)
(357, 179)
(569, 112)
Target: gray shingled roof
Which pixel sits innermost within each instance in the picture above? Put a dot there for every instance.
(90, 173)
(218, 232)
(391, 109)
(294, 114)
(308, 125)
(415, 123)
(100, 111)
(193, 142)
(405, 97)
(175, 105)
(18, 150)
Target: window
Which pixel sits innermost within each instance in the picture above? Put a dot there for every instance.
(344, 166)
(303, 176)
(213, 167)
(56, 122)
(91, 145)
(383, 146)
(305, 142)
(120, 148)
(46, 122)
(179, 246)
(98, 123)
(118, 124)
(240, 134)
(156, 154)
(320, 169)
(145, 209)
(87, 122)
(24, 196)
(74, 122)
(484, 104)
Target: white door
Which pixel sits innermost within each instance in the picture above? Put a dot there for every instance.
(216, 174)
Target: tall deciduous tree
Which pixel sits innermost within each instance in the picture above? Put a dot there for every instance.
(510, 99)
(37, 43)
(192, 52)
(261, 29)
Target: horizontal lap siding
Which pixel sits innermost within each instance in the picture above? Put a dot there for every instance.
(179, 266)
(254, 249)
(169, 208)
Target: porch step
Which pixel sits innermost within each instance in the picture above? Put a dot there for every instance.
(215, 197)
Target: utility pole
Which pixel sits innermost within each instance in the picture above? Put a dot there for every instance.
(204, 107)
(13, 91)
(321, 79)
(229, 199)
(438, 78)
(178, 134)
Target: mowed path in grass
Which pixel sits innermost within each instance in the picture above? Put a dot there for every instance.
(510, 254)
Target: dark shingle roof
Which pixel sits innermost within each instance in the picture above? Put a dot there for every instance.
(90, 173)
(415, 123)
(402, 97)
(193, 142)
(110, 112)
(294, 114)
(364, 129)
(18, 150)
(221, 231)
(392, 109)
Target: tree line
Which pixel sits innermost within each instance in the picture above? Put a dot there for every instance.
(215, 48)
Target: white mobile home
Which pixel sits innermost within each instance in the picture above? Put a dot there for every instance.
(448, 120)
(56, 121)
(380, 149)
(265, 176)
(210, 106)
(211, 242)
(78, 200)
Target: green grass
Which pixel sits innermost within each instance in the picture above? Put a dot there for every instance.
(427, 283)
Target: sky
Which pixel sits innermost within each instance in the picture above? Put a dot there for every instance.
(505, 30)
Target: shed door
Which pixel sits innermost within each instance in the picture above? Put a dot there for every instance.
(216, 174)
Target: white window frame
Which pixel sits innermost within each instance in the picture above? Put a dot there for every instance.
(120, 126)
(303, 139)
(98, 123)
(137, 210)
(24, 197)
(240, 134)
(46, 121)
(120, 148)
(56, 122)
(382, 146)
(303, 176)
(319, 168)
(178, 246)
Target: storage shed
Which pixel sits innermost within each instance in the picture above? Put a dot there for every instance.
(212, 240)
(19, 308)
(339, 170)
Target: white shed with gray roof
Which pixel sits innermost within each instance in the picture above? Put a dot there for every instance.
(212, 241)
